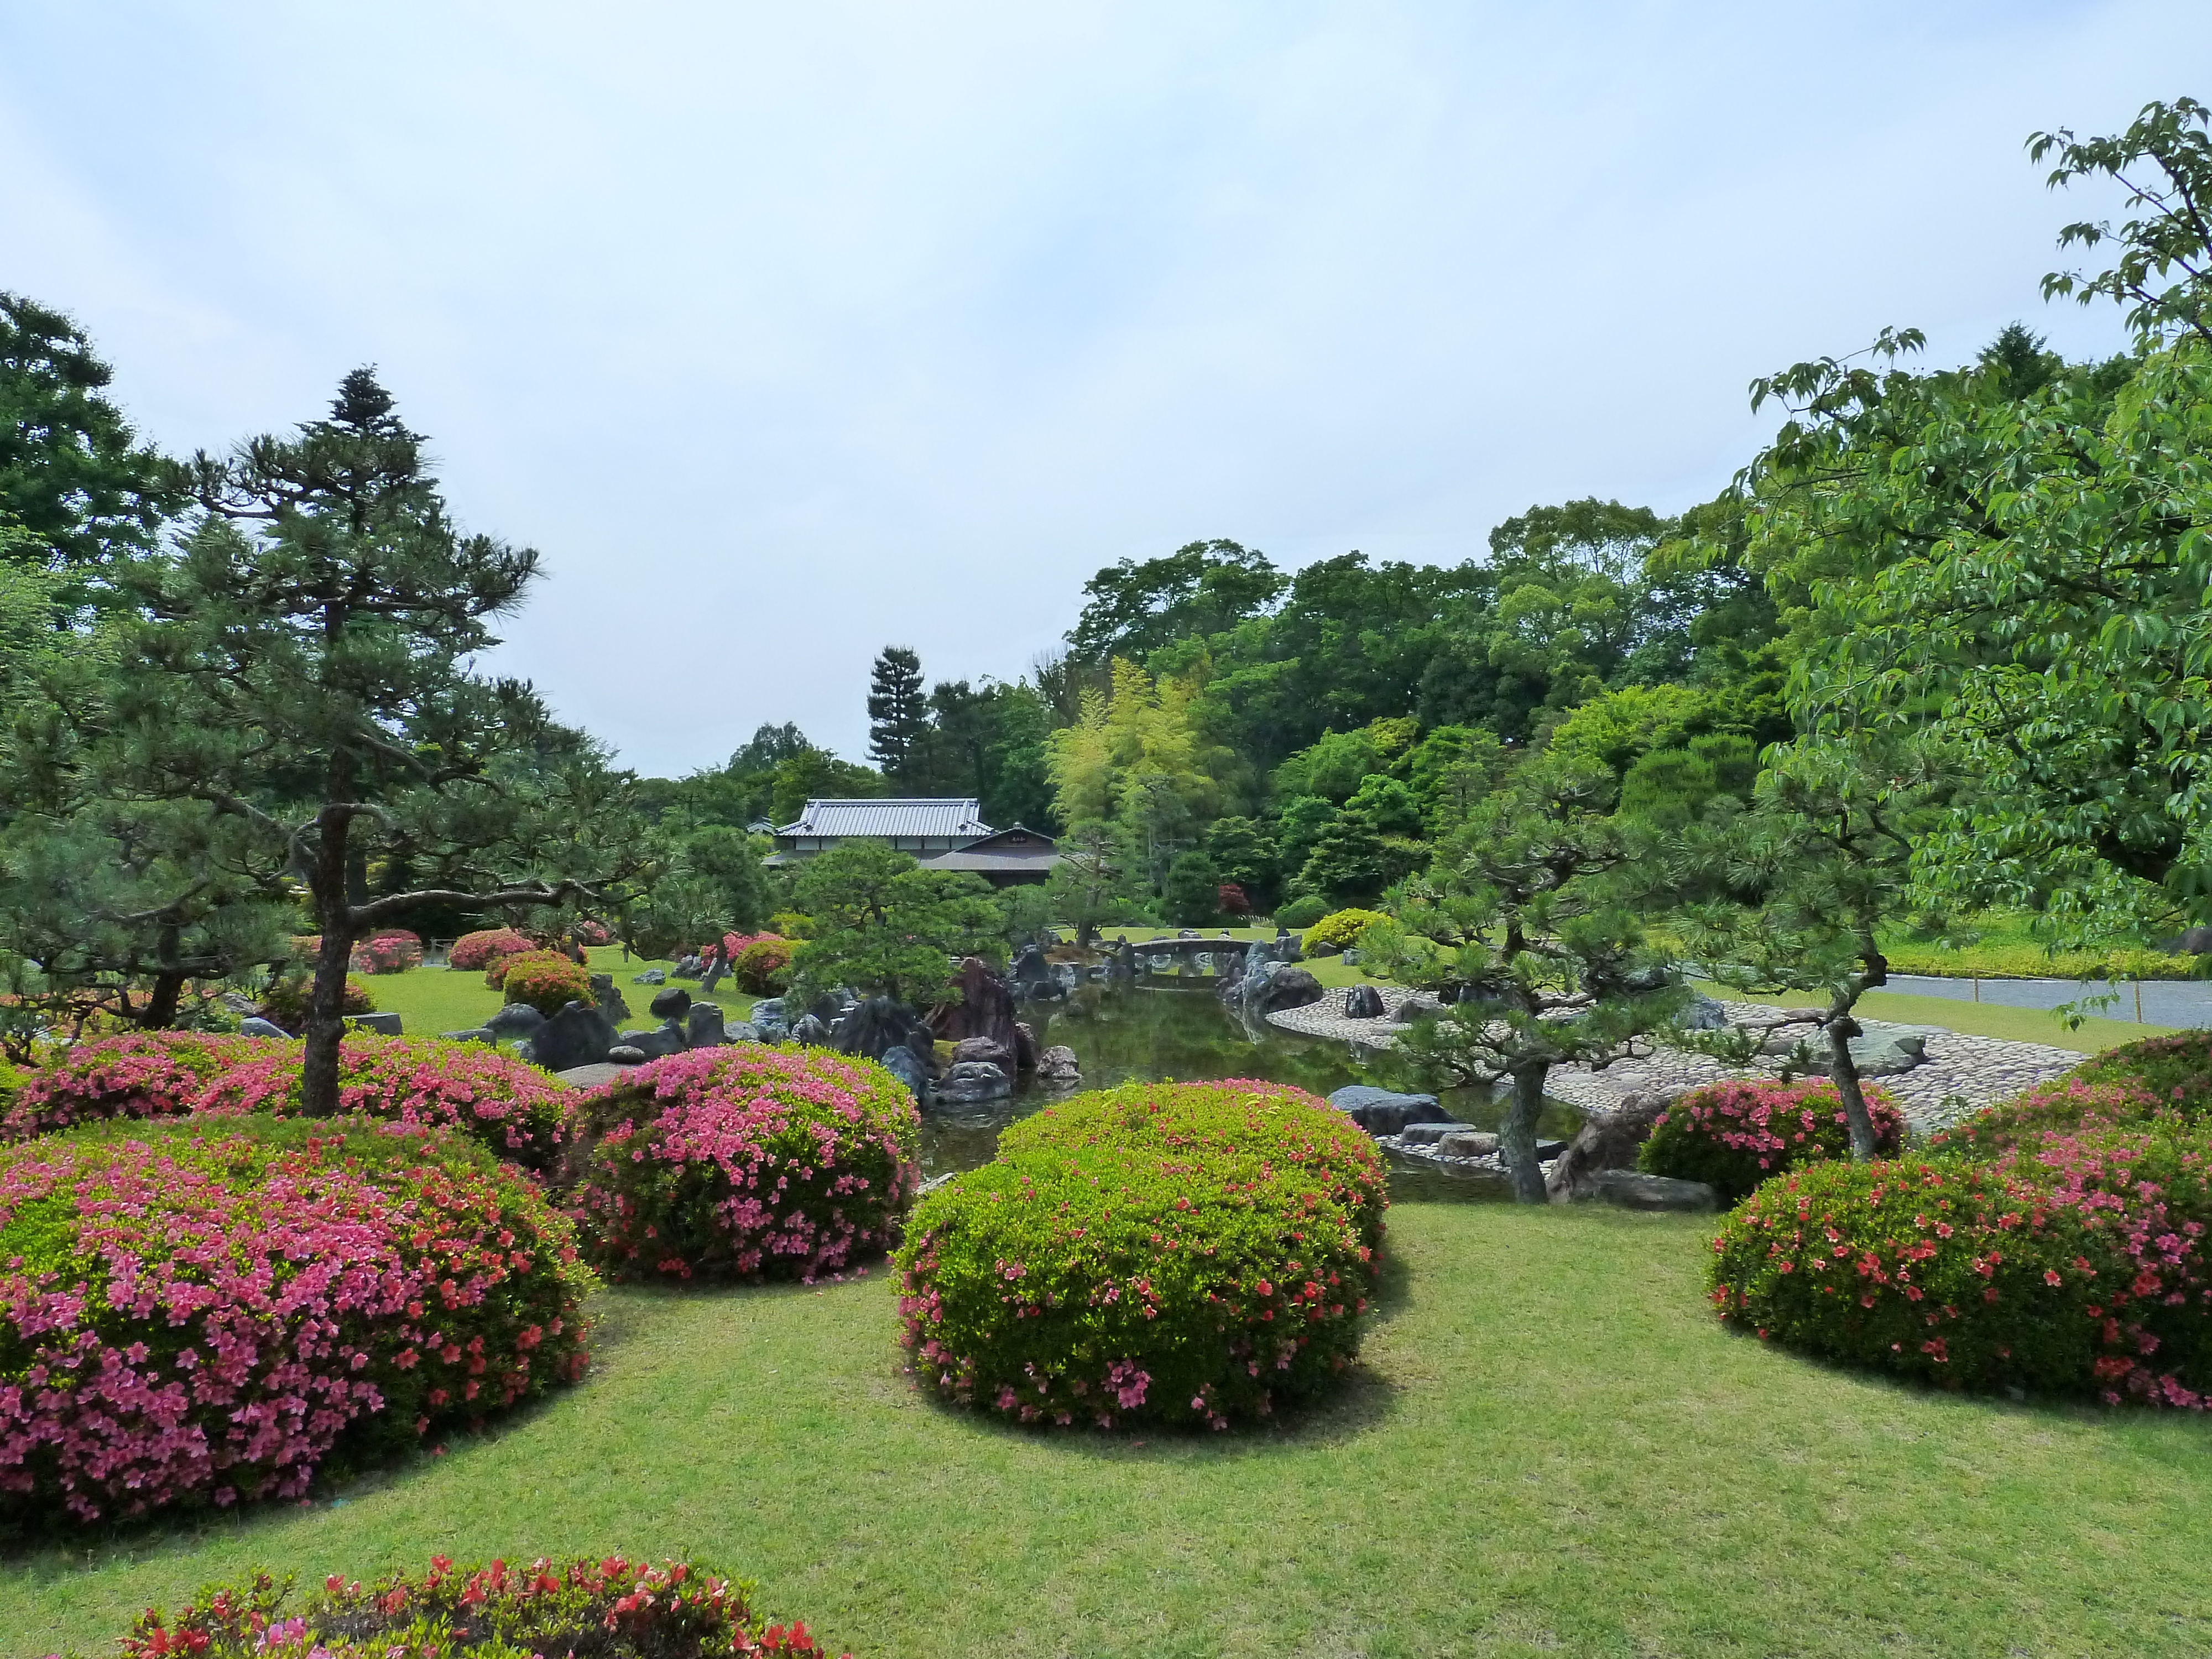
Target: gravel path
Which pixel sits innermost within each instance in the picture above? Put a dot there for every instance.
(1961, 1074)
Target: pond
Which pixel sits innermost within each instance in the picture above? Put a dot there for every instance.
(1156, 1035)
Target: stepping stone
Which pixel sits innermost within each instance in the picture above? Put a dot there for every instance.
(1633, 1189)
(1427, 1134)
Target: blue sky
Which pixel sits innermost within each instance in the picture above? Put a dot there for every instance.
(786, 333)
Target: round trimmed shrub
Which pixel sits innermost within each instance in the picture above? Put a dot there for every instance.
(1339, 930)
(136, 1074)
(2077, 1267)
(285, 1002)
(763, 967)
(514, 1109)
(473, 950)
(197, 1313)
(1735, 1133)
(547, 982)
(497, 968)
(611, 1608)
(1299, 913)
(394, 950)
(743, 1162)
(1176, 1253)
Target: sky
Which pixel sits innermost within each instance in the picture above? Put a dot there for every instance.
(788, 332)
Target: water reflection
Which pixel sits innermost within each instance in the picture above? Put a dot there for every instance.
(1150, 1035)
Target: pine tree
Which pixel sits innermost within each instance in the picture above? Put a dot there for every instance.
(898, 716)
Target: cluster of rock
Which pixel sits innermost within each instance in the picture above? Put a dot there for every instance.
(1598, 1163)
(1265, 981)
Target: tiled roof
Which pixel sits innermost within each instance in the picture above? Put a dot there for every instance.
(909, 817)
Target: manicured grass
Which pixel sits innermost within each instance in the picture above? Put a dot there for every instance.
(1550, 1446)
(1987, 1019)
(430, 1000)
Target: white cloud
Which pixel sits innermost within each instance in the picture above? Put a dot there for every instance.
(788, 331)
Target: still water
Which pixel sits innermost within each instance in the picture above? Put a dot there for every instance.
(1152, 1035)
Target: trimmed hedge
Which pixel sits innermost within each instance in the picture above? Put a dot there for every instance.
(2077, 1265)
(134, 1075)
(1735, 1133)
(743, 1161)
(514, 1109)
(1179, 1254)
(547, 982)
(609, 1608)
(473, 950)
(762, 966)
(198, 1313)
(1338, 930)
(1299, 913)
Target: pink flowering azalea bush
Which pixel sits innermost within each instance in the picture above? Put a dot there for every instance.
(1735, 1133)
(2174, 1071)
(1182, 1254)
(743, 1162)
(2063, 1105)
(199, 1313)
(609, 1608)
(474, 950)
(2076, 1265)
(392, 950)
(423, 1083)
(134, 1074)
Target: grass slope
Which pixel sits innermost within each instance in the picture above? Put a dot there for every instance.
(430, 1000)
(1550, 1446)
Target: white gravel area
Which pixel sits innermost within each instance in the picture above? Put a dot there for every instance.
(1960, 1075)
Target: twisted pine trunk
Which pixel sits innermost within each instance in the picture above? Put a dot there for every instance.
(327, 880)
(1516, 1136)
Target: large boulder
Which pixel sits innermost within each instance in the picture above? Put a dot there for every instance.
(670, 1004)
(1383, 1112)
(577, 1036)
(479, 1034)
(879, 1024)
(687, 967)
(609, 1000)
(1607, 1140)
(903, 1063)
(650, 976)
(513, 1023)
(983, 1007)
(1702, 1013)
(1277, 986)
(381, 1024)
(1469, 1143)
(1363, 1002)
(1031, 970)
(657, 1043)
(769, 1019)
(1428, 1134)
(1025, 1048)
(1633, 1189)
(1057, 1067)
(254, 1026)
(703, 1027)
(812, 1031)
(2192, 941)
(971, 1083)
(1883, 1050)
(984, 1050)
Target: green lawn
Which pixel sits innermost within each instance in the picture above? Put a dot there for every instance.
(1550, 1448)
(430, 1000)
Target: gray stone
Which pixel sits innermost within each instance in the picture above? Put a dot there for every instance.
(1886, 1050)
(608, 1000)
(702, 1026)
(254, 1026)
(1029, 968)
(985, 1050)
(1427, 1134)
(743, 1032)
(1363, 1002)
(657, 1043)
(650, 976)
(517, 1020)
(1606, 1141)
(811, 1032)
(1383, 1112)
(1058, 1066)
(670, 1004)
(1702, 1013)
(480, 1035)
(238, 1002)
(901, 1063)
(1352, 957)
(626, 1054)
(687, 967)
(382, 1024)
(589, 1077)
(1277, 986)
(1633, 1189)
(577, 1036)
(879, 1024)
(971, 1083)
(2192, 941)
(1468, 1143)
